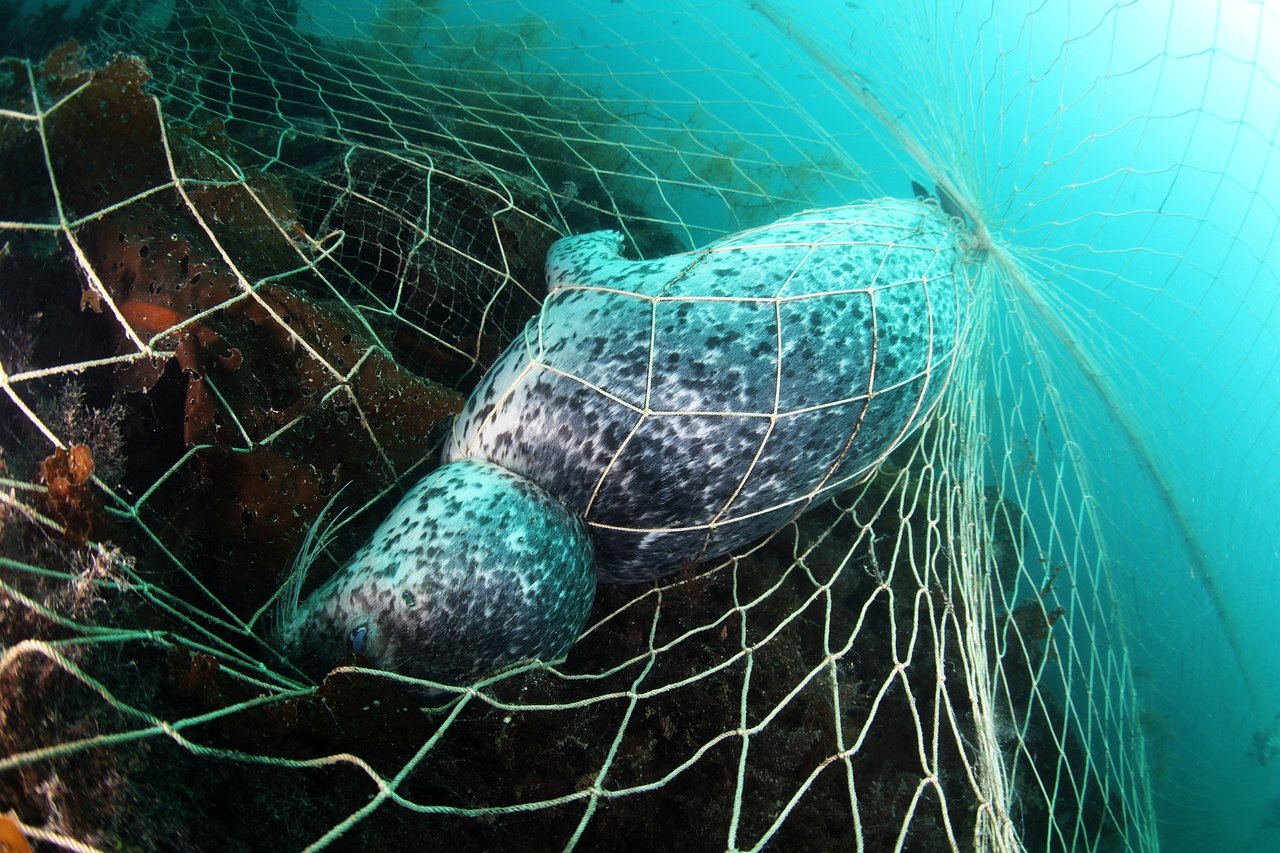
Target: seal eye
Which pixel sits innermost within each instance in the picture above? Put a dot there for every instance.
(356, 639)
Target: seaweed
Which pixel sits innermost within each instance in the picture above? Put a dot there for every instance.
(411, 86)
(232, 396)
(234, 374)
(66, 474)
(412, 236)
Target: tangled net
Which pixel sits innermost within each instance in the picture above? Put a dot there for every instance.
(254, 255)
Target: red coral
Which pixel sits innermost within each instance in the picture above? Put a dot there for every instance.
(11, 838)
(66, 474)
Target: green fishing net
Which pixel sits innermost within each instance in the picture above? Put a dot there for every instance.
(257, 253)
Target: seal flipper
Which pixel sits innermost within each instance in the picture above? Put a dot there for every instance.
(946, 201)
(578, 260)
(950, 206)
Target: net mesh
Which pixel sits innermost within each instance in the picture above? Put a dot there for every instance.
(253, 253)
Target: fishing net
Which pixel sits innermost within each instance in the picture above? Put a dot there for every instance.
(257, 253)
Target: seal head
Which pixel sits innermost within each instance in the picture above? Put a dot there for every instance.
(475, 569)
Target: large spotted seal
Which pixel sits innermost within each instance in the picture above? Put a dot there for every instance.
(653, 412)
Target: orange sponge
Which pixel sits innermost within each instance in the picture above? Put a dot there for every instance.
(11, 839)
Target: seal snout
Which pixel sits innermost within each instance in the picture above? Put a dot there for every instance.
(474, 570)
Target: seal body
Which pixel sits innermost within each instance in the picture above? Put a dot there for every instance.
(653, 412)
(688, 405)
(476, 568)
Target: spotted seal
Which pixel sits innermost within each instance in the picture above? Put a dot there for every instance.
(456, 582)
(689, 405)
(654, 412)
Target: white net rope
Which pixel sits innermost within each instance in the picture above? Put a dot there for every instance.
(265, 250)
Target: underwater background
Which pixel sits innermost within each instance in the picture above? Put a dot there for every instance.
(1125, 391)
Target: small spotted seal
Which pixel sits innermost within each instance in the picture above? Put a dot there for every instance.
(476, 568)
(653, 412)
